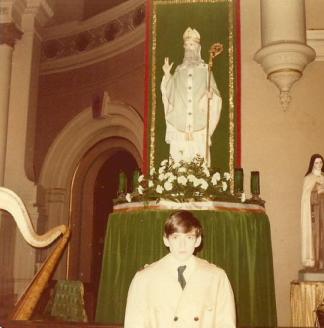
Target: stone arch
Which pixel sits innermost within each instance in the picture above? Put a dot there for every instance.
(80, 135)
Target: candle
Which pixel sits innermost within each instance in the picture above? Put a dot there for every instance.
(255, 182)
(136, 175)
(238, 180)
(122, 187)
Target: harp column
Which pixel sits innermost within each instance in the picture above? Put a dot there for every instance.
(284, 53)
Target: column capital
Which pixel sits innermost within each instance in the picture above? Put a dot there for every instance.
(11, 11)
(36, 14)
(9, 33)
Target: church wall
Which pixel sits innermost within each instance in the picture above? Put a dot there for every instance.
(279, 144)
(64, 95)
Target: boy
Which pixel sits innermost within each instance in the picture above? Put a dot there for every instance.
(180, 290)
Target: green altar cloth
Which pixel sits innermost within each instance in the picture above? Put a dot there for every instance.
(237, 241)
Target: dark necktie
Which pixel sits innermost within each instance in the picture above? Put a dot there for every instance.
(181, 278)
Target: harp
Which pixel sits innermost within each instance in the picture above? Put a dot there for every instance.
(11, 203)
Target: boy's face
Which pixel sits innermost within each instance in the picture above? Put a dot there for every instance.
(182, 245)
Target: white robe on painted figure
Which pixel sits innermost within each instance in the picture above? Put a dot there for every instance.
(185, 98)
(307, 244)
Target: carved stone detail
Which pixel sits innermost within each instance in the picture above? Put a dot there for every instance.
(9, 34)
(93, 38)
(284, 63)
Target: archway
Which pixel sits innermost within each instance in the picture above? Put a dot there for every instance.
(80, 150)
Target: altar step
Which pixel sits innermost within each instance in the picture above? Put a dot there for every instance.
(63, 324)
(52, 324)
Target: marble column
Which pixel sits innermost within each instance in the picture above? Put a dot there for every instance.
(21, 126)
(9, 33)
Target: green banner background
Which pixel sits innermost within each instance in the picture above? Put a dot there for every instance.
(215, 21)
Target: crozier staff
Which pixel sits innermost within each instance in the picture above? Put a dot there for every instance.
(191, 99)
(180, 290)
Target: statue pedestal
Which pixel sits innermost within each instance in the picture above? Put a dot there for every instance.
(305, 297)
(311, 275)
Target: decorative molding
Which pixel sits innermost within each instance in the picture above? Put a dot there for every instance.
(79, 44)
(11, 11)
(84, 132)
(105, 51)
(283, 64)
(315, 39)
(73, 28)
(9, 34)
(37, 13)
(40, 10)
(77, 138)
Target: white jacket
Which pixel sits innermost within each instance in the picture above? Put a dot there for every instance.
(156, 300)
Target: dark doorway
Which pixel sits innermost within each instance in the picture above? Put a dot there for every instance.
(105, 191)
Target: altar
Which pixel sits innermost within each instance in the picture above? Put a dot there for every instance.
(236, 237)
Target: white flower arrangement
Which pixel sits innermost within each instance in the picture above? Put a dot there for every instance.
(182, 182)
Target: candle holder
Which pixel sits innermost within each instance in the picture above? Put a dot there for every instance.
(255, 184)
(255, 189)
(238, 181)
(136, 175)
(122, 183)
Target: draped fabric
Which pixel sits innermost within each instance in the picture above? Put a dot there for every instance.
(237, 241)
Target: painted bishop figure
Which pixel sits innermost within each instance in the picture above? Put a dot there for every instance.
(189, 99)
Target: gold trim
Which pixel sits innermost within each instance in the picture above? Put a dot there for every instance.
(231, 107)
(153, 108)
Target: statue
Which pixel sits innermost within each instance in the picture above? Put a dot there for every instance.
(312, 215)
(192, 102)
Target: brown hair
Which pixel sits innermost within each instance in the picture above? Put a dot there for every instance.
(311, 163)
(182, 221)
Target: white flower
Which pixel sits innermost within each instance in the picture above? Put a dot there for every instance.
(164, 162)
(172, 178)
(159, 189)
(243, 198)
(161, 169)
(128, 197)
(196, 182)
(150, 183)
(224, 185)
(176, 165)
(182, 169)
(204, 184)
(216, 177)
(168, 185)
(161, 176)
(167, 175)
(140, 190)
(191, 178)
(152, 171)
(182, 180)
(206, 171)
(140, 178)
(227, 176)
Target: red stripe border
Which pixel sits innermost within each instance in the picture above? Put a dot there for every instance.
(145, 166)
(238, 83)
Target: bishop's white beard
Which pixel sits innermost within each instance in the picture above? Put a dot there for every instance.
(191, 57)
